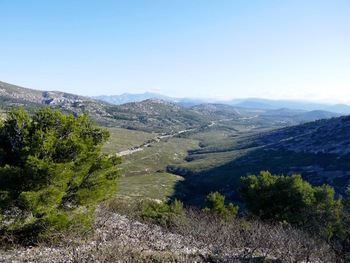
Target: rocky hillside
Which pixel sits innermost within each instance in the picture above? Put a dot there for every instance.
(30, 99)
(128, 98)
(323, 136)
(153, 115)
(201, 238)
(319, 150)
(156, 115)
(22, 96)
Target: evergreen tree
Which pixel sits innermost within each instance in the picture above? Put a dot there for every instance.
(291, 200)
(51, 171)
(215, 203)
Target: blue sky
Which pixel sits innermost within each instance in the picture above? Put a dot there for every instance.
(287, 49)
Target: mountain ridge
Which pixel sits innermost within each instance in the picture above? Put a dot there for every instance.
(154, 114)
(253, 103)
(19, 94)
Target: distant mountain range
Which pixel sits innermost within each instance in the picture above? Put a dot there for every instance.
(129, 98)
(252, 103)
(290, 104)
(163, 114)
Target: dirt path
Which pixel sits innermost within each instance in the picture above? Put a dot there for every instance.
(131, 151)
(156, 139)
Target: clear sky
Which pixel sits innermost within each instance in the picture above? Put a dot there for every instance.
(292, 49)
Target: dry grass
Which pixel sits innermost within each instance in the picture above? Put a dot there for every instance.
(199, 237)
(157, 186)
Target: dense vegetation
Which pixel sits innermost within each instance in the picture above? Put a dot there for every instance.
(215, 203)
(51, 173)
(291, 200)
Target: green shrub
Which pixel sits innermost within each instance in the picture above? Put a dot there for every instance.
(215, 203)
(166, 215)
(286, 198)
(52, 172)
(291, 200)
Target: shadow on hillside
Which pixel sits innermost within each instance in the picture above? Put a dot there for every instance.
(226, 178)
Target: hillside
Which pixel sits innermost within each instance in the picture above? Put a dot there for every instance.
(30, 99)
(323, 136)
(128, 98)
(261, 116)
(155, 115)
(211, 145)
(150, 115)
(12, 94)
(323, 149)
(318, 150)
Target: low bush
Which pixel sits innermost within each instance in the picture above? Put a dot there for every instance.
(215, 204)
(235, 239)
(150, 211)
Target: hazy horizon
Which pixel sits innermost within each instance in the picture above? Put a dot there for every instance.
(215, 99)
(293, 50)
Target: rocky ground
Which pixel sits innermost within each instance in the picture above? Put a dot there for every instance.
(117, 239)
(202, 239)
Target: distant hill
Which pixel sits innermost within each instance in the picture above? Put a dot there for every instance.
(16, 95)
(156, 115)
(153, 115)
(261, 116)
(291, 104)
(250, 103)
(128, 98)
(255, 105)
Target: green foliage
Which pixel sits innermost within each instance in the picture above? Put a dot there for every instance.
(285, 198)
(281, 198)
(167, 215)
(215, 203)
(290, 199)
(51, 167)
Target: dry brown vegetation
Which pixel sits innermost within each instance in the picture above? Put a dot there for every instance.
(197, 237)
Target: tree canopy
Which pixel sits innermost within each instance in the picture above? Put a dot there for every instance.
(291, 200)
(50, 167)
(285, 198)
(215, 203)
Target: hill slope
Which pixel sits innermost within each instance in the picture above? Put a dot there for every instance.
(318, 150)
(13, 94)
(153, 115)
(30, 99)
